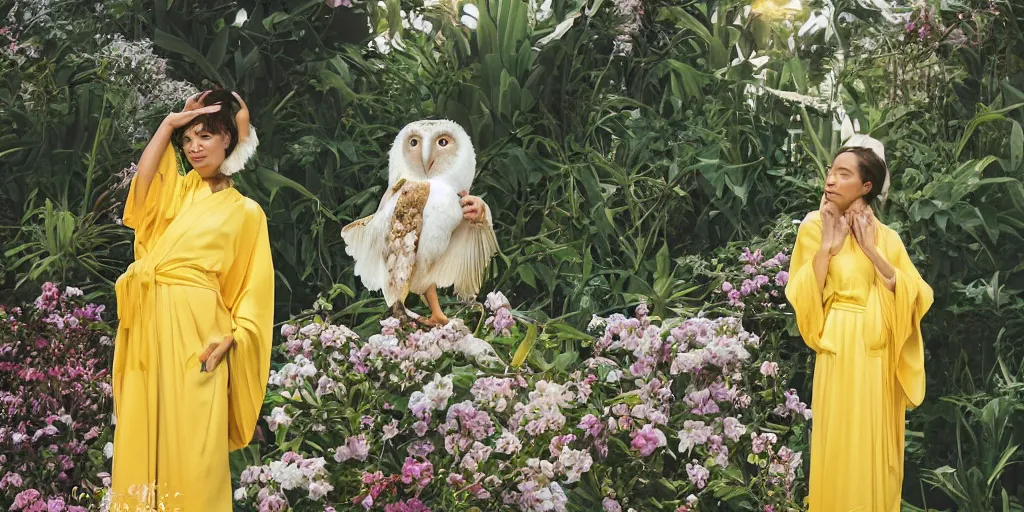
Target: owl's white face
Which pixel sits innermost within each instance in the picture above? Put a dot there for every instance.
(427, 150)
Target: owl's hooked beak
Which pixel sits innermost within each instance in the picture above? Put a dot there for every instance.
(427, 158)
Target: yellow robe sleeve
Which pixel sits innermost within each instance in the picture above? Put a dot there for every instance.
(802, 289)
(248, 291)
(903, 310)
(163, 202)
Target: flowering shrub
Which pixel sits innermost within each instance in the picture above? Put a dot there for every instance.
(761, 285)
(682, 416)
(56, 399)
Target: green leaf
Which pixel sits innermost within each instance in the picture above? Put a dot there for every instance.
(276, 181)
(525, 346)
(980, 119)
(1016, 147)
(219, 48)
(177, 45)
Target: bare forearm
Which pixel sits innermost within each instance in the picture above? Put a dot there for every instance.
(820, 262)
(150, 161)
(887, 271)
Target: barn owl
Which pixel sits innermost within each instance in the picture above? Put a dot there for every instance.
(418, 240)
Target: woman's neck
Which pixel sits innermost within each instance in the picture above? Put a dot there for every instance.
(218, 182)
(855, 206)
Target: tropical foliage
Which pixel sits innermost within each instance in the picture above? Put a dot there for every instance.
(630, 150)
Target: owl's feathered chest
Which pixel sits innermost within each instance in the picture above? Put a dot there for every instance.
(424, 211)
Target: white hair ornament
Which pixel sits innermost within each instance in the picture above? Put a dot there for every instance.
(244, 150)
(859, 140)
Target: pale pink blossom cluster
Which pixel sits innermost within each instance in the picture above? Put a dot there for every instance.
(762, 282)
(355, 447)
(501, 320)
(433, 397)
(292, 472)
(793, 405)
(464, 425)
(543, 413)
(496, 393)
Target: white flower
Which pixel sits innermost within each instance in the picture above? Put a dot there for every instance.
(288, 475)
(240, 18)
(470, 17)
(317, 490)
(71, 291)
(277, 418)
(421, 24)
(560, 29)
(434, 396)
(241, 494)
(574, 463)
(108, 450)
(311, 329)
(508, 443)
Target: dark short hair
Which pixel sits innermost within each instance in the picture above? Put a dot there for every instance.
(871, 168)
(221, 122)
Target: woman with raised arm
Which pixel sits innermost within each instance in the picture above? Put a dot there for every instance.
(858, 302)
(192, 353)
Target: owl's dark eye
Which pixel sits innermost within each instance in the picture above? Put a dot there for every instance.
(443, 141)
(414, 142)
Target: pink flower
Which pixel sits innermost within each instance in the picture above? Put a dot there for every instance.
(698, 474)
(419, 473)
(288, 330)
(421, 448)
(782, 278)
(55, 505)
(733, 428)
(761, 442)
(592, 425)
(356, 447)
(647, 440)
(769, 369)
(611, 505)
(26, 497)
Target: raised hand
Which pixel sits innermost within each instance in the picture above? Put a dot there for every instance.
(179, 119)
(835, 227)
(242, 116)
(864, 229)
(195, 101)
(472, 207)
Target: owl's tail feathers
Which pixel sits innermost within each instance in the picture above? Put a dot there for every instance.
(364, 242)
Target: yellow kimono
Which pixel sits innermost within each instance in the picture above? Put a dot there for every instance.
(202, 272)
(869, 366)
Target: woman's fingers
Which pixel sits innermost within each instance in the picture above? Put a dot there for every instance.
(240, 100)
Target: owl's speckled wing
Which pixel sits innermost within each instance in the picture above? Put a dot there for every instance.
(466, 259)
(403, 239)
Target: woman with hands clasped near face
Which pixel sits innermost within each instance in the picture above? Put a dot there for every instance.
(858, 302)
(195, 314)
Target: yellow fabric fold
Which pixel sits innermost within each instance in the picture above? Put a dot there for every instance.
(249, 294)
(802, 289)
